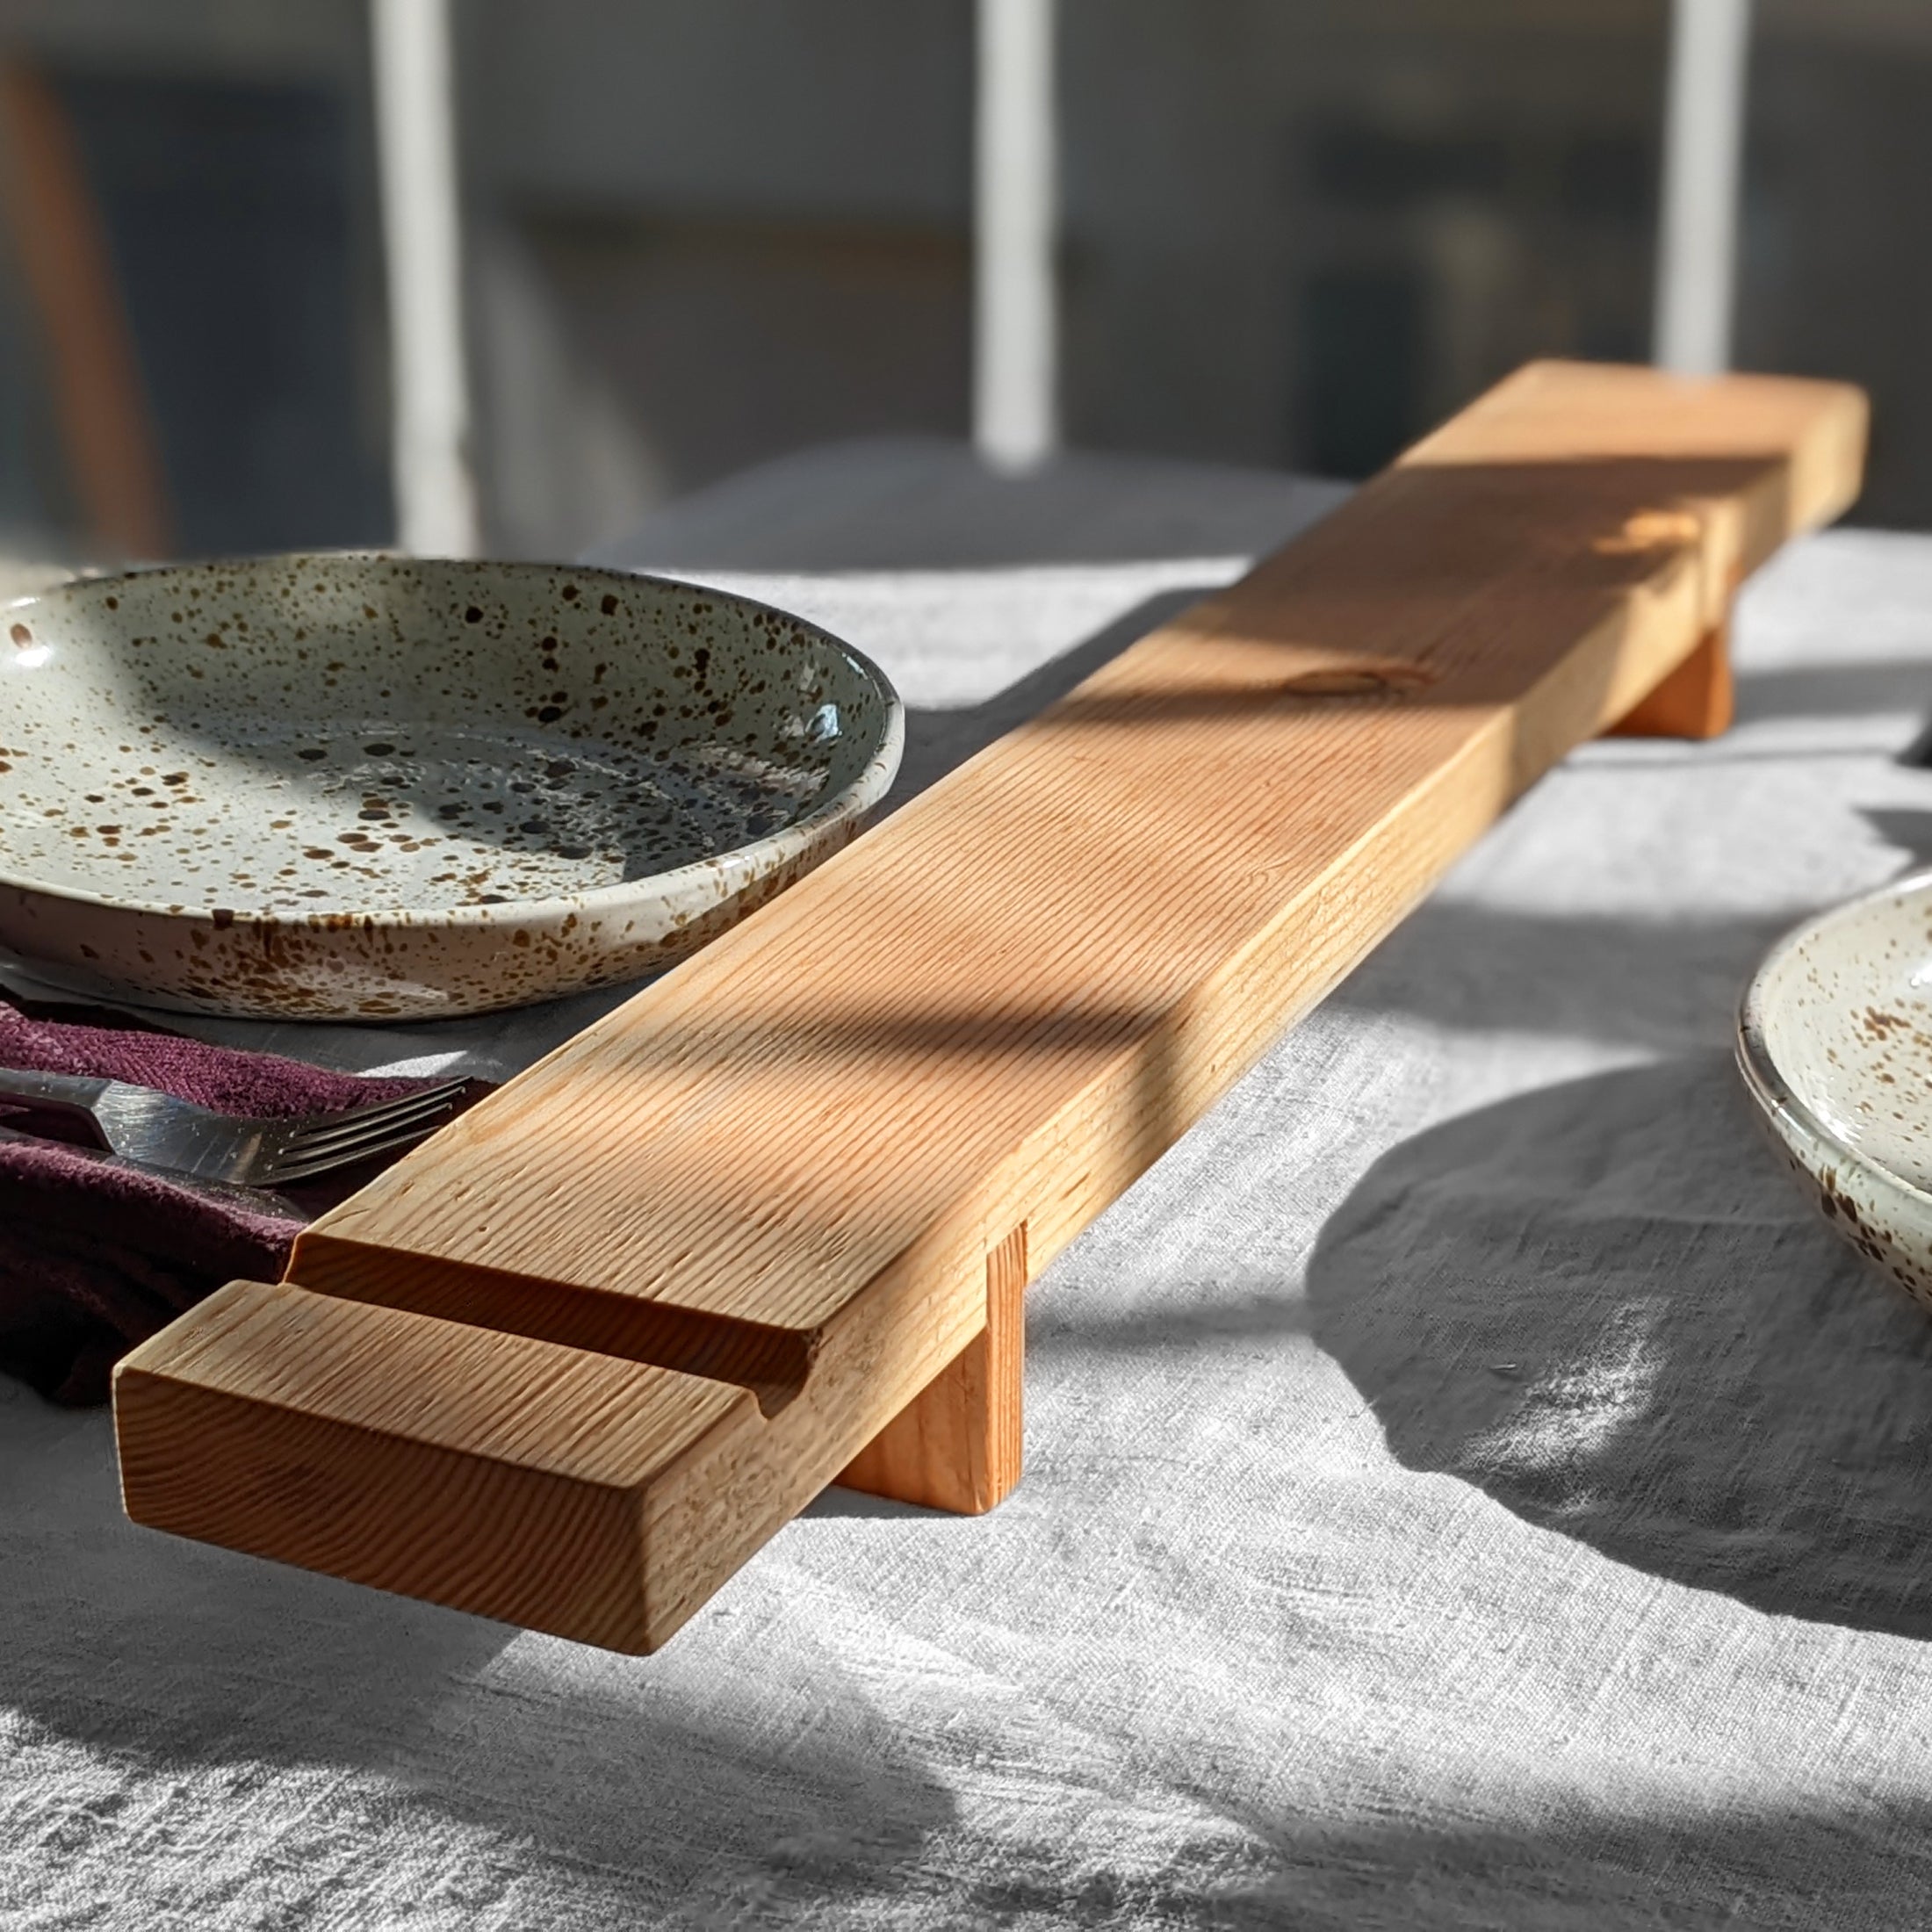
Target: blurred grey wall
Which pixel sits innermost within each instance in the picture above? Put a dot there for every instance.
(1293, 233)
(708, 233)
(703, 232)
(1836, 274)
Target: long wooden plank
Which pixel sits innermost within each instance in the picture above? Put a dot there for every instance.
(786, 1164)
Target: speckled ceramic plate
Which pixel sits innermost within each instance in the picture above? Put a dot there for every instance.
(358, 788)
(1834, 1039)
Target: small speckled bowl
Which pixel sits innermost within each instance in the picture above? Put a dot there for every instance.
(366, 788)
(1835, 1040)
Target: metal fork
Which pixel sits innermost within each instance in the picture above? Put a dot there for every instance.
(139, 1124)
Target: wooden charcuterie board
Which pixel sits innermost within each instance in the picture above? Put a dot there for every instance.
(768, 1225)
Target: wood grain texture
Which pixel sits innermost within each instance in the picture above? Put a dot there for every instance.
(785, 1164)
(512, 1478)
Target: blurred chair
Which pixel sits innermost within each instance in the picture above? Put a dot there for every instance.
(106, 426)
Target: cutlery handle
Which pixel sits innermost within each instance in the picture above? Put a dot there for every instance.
(68, 1096)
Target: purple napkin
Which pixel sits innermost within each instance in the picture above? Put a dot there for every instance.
(93, 1259)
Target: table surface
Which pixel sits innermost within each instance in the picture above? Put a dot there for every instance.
(1467, 1486)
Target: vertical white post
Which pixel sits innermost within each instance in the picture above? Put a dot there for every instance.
(416, 139)
(1015, 403)
(1702, 157)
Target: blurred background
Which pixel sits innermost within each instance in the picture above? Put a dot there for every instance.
(697, 234)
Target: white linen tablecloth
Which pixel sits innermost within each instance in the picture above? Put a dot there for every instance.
(1466, 1486)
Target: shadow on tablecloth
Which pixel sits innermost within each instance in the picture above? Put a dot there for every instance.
(1604, 1304)
(616, 1792)
(1664, 983)
(1702, 1386)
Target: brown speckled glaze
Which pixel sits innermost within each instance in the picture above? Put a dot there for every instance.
(1835, 1040)
(368, 788)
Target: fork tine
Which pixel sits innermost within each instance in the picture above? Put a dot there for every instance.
(288, 1170)
(334, 1127)
(375, 1110)
(335, 1143)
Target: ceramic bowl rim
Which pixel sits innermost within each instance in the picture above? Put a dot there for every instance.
(1768, 1085)
(874, 780)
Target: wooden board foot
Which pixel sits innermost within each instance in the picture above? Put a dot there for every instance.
(957, 1445)
(1697, 700)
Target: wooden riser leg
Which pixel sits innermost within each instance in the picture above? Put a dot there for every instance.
(958, 1445)
(1697, 700)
